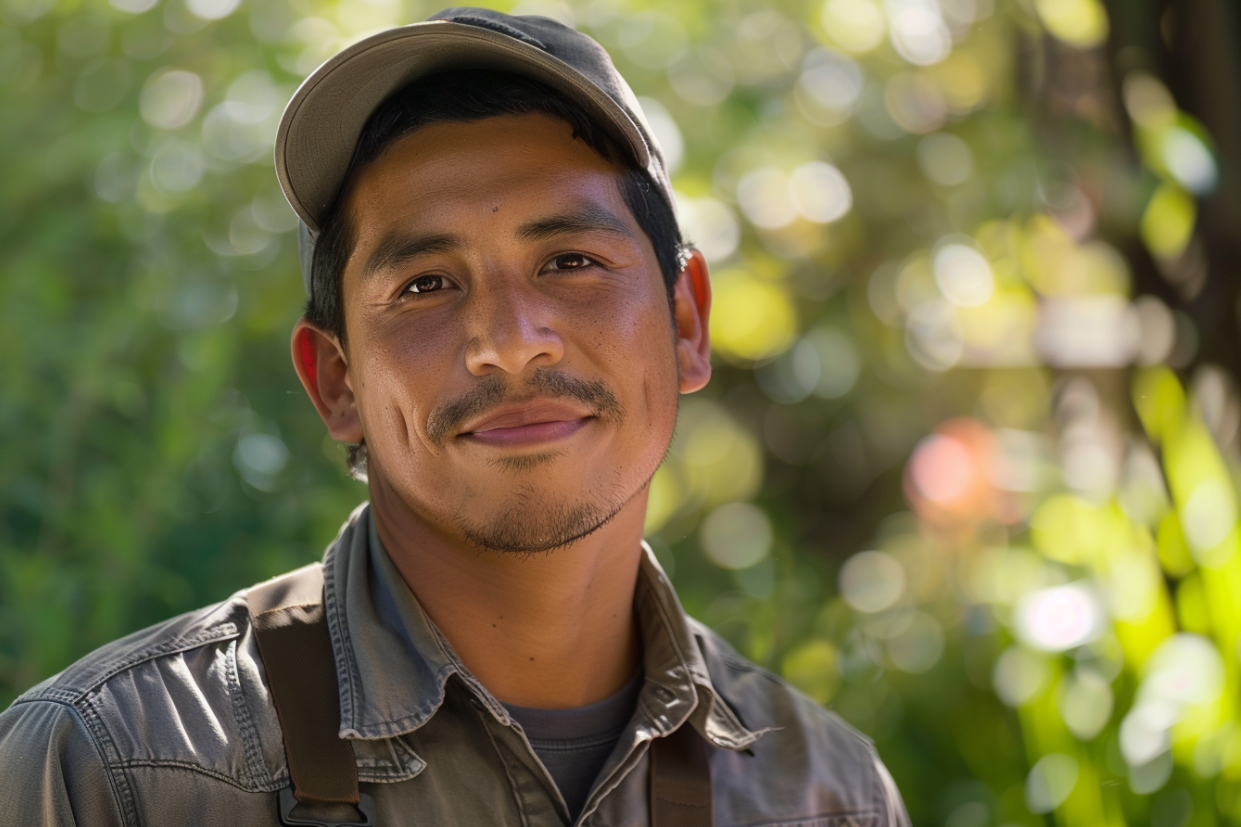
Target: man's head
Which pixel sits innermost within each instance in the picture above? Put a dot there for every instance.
(489, 312)
(464, 96)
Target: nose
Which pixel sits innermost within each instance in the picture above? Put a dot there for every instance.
(514, 330)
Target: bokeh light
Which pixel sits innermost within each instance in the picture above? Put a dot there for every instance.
(963, 274)
(829, 87)
(871, 581)
(1060, 617)
(950, 476)
(1086, 703)
(820, 192)
(1050, 782)
(751, 319)
(710, 225)
(856, 26)
(736, 535)
(1081, 23)
(918, 31)
(212, 9)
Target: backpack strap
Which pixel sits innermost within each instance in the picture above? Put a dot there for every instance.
(296, 649)
(680, 779)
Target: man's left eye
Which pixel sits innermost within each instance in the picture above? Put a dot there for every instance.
(570, 261)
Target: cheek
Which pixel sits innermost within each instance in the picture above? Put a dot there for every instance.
(399, 372)
(635, 341)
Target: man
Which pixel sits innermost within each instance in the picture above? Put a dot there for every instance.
(501, 317)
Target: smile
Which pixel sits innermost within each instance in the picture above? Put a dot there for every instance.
(528, 424)
(534, 434)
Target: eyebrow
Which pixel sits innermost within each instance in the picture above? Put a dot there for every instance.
(586, 219)
(397, 248)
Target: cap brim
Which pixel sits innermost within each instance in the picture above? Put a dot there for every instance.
(323, 121)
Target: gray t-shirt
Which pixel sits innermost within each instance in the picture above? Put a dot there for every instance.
(574, 744)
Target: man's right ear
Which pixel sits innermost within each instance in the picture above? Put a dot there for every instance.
(320, 362)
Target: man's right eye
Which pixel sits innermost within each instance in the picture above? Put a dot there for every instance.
(425, 284)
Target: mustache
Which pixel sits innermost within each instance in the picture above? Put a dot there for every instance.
(446, 420)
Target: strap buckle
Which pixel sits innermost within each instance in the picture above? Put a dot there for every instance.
(365, 806)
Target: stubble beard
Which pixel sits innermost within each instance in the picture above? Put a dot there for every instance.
(534, 522)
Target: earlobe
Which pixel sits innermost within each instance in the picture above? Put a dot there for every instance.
(320, 362)
(691, 309)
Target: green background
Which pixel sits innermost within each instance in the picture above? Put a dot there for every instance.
(966, 473)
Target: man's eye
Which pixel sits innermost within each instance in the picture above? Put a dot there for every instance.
(570, 261)
(425, 284)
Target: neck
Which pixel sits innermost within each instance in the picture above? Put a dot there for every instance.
(553, 630)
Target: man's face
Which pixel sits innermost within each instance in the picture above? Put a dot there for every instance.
(510, 351)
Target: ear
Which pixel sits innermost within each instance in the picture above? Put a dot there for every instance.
(321, 365)
(691, 310)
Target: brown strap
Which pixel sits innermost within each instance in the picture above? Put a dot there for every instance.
(680, 780)
(287, 615)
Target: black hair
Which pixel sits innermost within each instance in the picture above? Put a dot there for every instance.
(472, 95)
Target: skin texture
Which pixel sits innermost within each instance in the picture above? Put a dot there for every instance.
(513, 368)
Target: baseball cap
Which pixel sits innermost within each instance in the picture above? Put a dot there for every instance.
(323, 121)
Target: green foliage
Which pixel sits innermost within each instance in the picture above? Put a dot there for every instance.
(927, 484)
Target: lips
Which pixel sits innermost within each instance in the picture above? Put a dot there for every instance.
(528, 423)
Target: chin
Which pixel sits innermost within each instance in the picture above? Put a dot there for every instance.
(536, 527)
(532, 518)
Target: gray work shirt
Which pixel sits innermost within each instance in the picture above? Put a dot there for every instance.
(174, 725)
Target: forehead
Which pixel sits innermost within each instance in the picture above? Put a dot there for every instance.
(450, 169)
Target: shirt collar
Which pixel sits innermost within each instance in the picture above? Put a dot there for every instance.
(393, 664)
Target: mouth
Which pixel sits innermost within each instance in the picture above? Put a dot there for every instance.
(531, 423)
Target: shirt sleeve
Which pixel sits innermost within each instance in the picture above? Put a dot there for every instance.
(51, 770)
(890, 803)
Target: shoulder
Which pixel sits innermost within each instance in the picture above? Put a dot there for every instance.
(763, 700)
(177, 638)
(51, 768)
(808, 754)
(186, 693)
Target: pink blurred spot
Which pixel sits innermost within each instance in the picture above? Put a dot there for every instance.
(942, 468)
(948, 478)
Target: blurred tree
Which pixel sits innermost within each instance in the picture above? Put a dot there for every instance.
(1192, 47)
